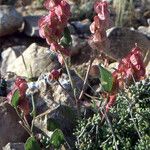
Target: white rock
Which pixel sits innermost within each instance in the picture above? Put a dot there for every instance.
(33, 61)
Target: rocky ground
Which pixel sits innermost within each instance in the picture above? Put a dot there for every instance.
(24, 53)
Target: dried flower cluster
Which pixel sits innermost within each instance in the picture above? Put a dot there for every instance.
(23, 103)
(98, 28)
(52, 25)
(131, 66)
(55, 74)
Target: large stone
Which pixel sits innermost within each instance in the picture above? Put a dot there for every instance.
(31, 26)
(14, 146)
(145, 30)
(49, 94)
(10, 20)
(9, 55)
(82, 27)
(64, 116)
(82, 11)
(122, 40)
(8, 2)
(10, 129)
(80, 50)
(66, 96)
(33, 61)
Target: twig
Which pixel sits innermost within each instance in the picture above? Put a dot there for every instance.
(68, 72)
(65, 90)
(24, 123)
(33, 111)
(135, 126)
(86, 78)
(72, 85)
(110, 125)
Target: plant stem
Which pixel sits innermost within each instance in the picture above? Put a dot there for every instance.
(72, 85)
(24, 125)
(135, 126)
(113, 134)
(86, 78)
(68, 72)
(65, 90)
(33, 113)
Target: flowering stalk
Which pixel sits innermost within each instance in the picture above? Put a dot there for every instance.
(51, 26)
(131, 66)
(99, 40)
(23, 102)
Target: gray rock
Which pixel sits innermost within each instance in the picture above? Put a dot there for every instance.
(80, 50)
(33, 61)
(14, 146)
(78, 44)
(122, 40)
(145, 30)
(10, 20)
(64, 116)
(82, 11)
(82, 27)
(31, 26)
(9, 55)
(63, 97)
(50, 94)
(8, 2)
(10, 129)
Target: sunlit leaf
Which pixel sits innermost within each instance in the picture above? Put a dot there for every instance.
(32, 144)
(57, 138)
(106, 79)
(15, 98)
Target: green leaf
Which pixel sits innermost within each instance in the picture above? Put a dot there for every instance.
(106, 79)
(52, 124)
(32, 144)
(57, 138)
(15, 98)
(66, 40)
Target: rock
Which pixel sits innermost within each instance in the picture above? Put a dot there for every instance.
(50, 94)
(9, 55)
(71, 29)
(10, 20)
(31, 26)
(145, 30)
(63, 97)
(33, 61)
(80, 50)
(8, 2)
(14, 146)
(82, 11)
(10, 129)
(122, 40)
(82, 27)
(63, 115)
